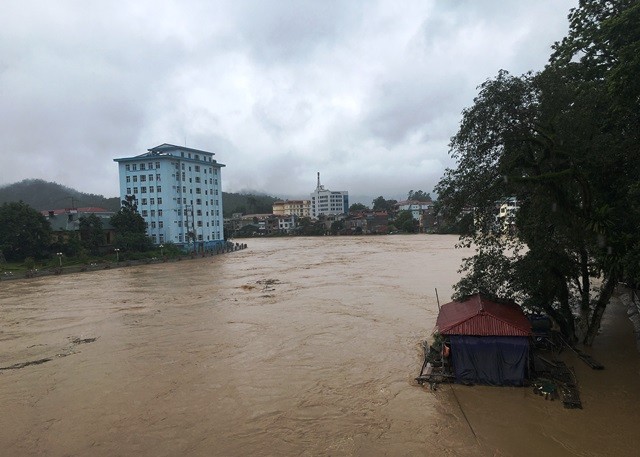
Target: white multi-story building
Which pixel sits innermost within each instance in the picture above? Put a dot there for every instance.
(178, 191)
(326, 202)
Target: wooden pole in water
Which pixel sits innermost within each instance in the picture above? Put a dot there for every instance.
(437, 299)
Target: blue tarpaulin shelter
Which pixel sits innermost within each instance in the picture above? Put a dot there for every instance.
(489, 340)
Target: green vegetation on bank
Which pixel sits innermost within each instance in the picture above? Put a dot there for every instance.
(564, 142)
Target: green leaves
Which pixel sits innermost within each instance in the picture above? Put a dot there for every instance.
(24, 232)
(563, 142)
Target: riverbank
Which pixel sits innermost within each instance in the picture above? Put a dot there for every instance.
(12, 274)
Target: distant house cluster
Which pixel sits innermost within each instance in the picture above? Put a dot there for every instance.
(328, 212)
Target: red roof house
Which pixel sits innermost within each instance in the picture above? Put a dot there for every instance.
(489, 340)
(477, 315)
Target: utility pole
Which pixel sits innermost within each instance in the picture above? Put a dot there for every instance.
(193, 230)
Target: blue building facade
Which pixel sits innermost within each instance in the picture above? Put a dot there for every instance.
(178, 191)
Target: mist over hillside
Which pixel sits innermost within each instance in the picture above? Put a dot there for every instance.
(44, 195)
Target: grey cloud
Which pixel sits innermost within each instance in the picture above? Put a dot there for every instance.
(292, 30)
(368, 93)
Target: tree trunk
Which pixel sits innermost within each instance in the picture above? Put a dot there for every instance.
(596, 318)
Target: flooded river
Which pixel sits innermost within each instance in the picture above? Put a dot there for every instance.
(299, 346)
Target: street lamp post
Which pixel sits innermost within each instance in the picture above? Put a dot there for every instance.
(161, 250)
(117, 254)
(59, 254)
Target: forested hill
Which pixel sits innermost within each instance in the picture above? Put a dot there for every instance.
(247, 203)
(43, 195)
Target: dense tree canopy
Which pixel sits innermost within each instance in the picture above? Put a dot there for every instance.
(419, 195)
(380, 204)
(24, 232)
(91, 233)
(130, 227)
(405, 222)
(358, 207)
(564, 143)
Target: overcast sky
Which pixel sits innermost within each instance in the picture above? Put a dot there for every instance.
(368, 93)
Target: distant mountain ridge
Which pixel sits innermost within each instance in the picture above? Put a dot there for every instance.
(44, 196)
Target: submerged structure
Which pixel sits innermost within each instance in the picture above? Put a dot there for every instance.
(489, 341)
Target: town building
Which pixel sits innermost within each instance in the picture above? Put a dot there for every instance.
(416, 207)
(65, 222)
(327, 203)
(300, 208)
(178, 191)
(506, 214)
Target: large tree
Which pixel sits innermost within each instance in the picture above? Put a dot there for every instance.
(419, 195)
(564, 143)
(24, 232)
(131, 230)
(381, 204)
(91, 233)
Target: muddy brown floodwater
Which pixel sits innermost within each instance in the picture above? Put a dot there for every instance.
(299, 346)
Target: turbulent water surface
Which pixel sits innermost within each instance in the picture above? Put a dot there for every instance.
(300, 346)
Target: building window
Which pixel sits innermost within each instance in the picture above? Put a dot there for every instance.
(159, 188)
(143, 190)
(157, 164)
(142, 166)
(198, 202)
(160, 224)
(135, 190)
(184, 189)
(199, 223)
(144, 201)
(199, 237)
(198, 191)
(152, 201)
(199, 212)
(153, 224)
(159, 213)
(151, 189)
(150, 165)
(153, 213)
(159, 200)
(127, 167)
(157, 176)
(180, 238)
(197, 179)
(179, 223)
(134, 167)
(144, 213)
(162, 237)
(128, 190)
(143, 178)
(150, 177)
(197, 167)
(135, 179)
(128, 178)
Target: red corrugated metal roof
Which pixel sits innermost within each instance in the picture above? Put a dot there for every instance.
(480, 316)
